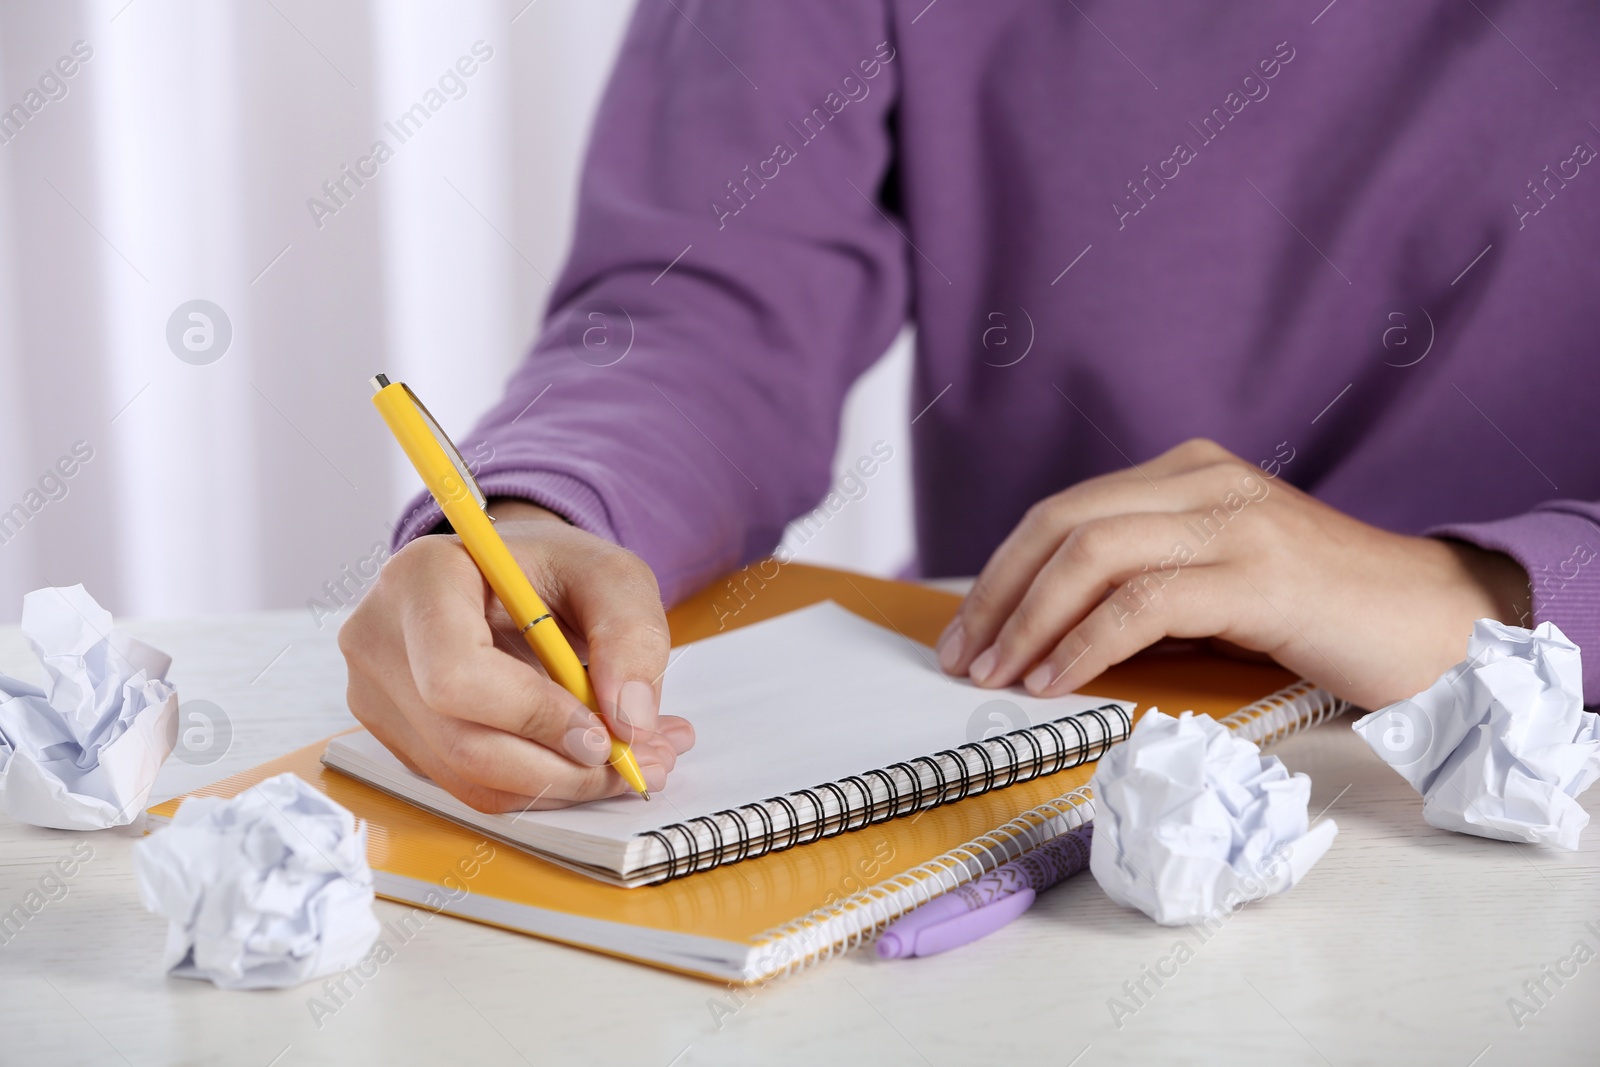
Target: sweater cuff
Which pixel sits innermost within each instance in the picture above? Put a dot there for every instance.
(563, 494)
(1560, 551)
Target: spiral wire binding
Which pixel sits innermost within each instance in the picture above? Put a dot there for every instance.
(1288, 711)
(858, 919)
(748, 831)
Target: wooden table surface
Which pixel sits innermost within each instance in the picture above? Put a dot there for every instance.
(1404, 945)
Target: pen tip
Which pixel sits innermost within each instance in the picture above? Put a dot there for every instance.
(645, 794)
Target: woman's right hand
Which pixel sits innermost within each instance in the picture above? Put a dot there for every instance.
(440, 675)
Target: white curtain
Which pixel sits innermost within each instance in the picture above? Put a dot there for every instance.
(185, 159)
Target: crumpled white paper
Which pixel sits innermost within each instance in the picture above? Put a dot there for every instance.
(83, 752)
(1500, 745)
(267, 890)
(1191, 822)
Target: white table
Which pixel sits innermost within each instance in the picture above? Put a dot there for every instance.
(1402, 946)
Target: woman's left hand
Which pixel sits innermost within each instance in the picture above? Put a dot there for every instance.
(1197, 543)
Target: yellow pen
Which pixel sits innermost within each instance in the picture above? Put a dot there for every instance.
(446, 475)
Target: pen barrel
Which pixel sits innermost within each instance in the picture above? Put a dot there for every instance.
(528, 612)
(563, 665)
(483, 543)
(416, 439)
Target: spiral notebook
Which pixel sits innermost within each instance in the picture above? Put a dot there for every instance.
(808, 725)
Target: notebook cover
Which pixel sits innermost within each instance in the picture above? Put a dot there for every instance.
(740, 901)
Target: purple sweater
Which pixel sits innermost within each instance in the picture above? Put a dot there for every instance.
(1357, 247)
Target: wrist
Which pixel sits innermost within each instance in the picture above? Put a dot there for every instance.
(1505, 592)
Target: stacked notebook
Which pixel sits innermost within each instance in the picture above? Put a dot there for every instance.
(839, 780)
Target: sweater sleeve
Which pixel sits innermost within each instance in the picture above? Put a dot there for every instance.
(1558, 544)
(733, 271)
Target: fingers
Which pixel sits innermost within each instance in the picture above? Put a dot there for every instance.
(1144, 550)
(678, 733)
(476, 697)
(458, 672)
(489, 769)
(1199, 603)
(1005, 578)
(429, 680)
(612, 599)
(1171, 483)
(495, 760)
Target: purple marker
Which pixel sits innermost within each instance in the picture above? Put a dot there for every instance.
(979, 908)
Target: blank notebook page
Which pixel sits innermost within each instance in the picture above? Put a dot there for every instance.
(805, 698)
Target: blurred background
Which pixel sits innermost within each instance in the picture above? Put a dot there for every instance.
(194, 289)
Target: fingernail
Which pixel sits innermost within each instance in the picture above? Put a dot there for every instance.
(950, 644)
(655, 776)
(636, 705)
(984, 665)
(1039, 678)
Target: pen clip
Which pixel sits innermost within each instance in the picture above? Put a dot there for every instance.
(450, 450)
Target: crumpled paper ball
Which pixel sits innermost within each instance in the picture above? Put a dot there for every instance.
(267, 890)
(1500, 745)
(1191, 822)
(83, 752)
